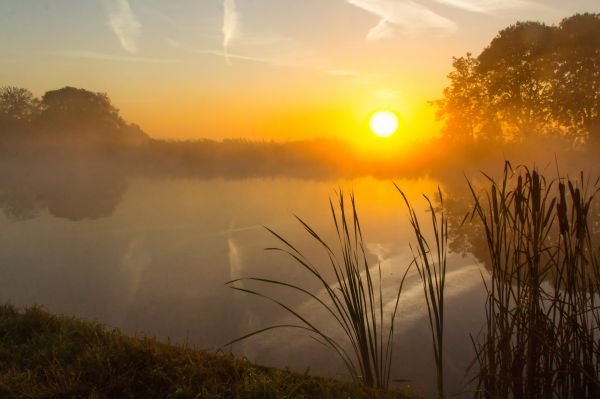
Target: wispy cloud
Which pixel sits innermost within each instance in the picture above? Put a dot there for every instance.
(284, 55)
(284, 60)
(406, 16)
(485, 6)
(112, 57)
(124, 24)
(231, 21)
(229, 56)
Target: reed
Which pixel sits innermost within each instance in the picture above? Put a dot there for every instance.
(540, 339)
(354, 299)
(431, 265)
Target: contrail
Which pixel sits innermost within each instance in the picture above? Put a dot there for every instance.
(485, 6)
(405, 15)
(124, 24)
(231, 19)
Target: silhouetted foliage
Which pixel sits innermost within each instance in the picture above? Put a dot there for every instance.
(67, 118)
(576, 88)
(73, 189)
(17, 106)
(69, 107)
(531, 80)
(466, 107)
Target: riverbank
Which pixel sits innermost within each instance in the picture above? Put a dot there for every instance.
(48, 356)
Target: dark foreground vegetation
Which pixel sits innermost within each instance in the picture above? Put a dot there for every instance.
(539, 241)
(48, 356)
(540, 339)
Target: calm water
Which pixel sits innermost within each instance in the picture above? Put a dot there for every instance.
(151, 256)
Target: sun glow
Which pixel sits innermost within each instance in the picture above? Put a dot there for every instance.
(383, 123)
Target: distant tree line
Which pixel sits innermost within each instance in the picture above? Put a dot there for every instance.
(67, 113)
(532, 80)
(70, 124)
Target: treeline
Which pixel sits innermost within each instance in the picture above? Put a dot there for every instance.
(74, 123)
(533, 92)
(63, 117)
(532, 80)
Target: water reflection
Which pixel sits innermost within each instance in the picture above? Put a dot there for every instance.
(468, 236)
(74, 189)
(152, 254)
(149, 253)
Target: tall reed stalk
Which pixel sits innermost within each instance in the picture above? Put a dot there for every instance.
(542, 321)
(431, 265)
(353, 300)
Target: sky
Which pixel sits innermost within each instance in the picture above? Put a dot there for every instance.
(257, 69)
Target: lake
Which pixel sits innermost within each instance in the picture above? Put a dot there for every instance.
(151, 255)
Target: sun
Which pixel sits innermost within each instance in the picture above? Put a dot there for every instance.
(383, 123)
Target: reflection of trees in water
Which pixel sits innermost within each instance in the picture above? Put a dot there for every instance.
(77, 181)
(62, 153)
(71, 189)
(466, 237)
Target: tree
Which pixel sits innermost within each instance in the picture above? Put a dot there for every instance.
(465, 105)
(576, 80)
(516, 79)
(72, 107)
(532, 79)
(17, 104)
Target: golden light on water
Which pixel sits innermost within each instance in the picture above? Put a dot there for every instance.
(383, 123)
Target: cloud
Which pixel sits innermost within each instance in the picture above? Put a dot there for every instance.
(124, 24)
(485, 6)
(231, 21)
(299, 60)
(283, 55)
(405, 16)
(91, 55)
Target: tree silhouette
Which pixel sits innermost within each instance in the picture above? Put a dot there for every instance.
(72, 107)
(87, 117)
(531, 80)
(515, 78)
(17, 105)
(465, 106)
(576, 83)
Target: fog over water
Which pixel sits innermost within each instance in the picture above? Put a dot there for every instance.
(157, 263)
(149, 253)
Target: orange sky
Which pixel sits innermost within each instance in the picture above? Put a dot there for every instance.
(257, 69)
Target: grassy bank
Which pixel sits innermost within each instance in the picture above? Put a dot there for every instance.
(48, 356)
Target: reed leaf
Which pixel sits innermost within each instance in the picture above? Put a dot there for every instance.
(431, 266)
(352, 299)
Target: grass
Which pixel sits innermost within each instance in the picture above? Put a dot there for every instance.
(431, 264)
(354, 299)
(542, 318)
(48, 356)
